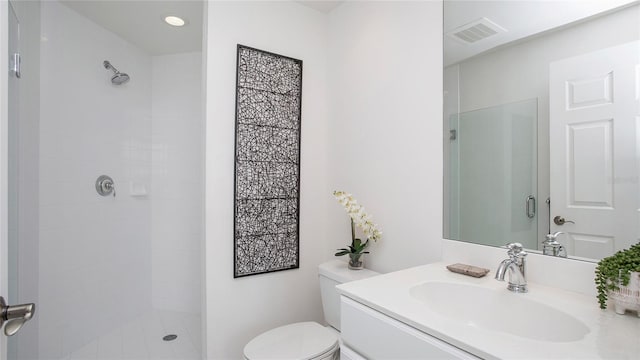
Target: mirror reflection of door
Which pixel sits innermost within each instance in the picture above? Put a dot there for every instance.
(513, 65)
(594, 128)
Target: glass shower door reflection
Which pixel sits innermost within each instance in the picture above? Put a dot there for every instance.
(493, 176)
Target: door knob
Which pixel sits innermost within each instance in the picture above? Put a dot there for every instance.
(15, 316)
(559, 220)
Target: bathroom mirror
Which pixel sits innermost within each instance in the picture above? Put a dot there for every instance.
(541, 124)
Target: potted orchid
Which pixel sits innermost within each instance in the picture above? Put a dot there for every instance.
(362, 220)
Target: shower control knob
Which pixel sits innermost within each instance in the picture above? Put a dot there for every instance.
(105, 186)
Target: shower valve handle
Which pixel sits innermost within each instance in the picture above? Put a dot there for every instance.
(109, 186)
(105, 186)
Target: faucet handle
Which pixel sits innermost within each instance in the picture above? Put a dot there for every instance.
(516, 250)
(514, 247)
(552, 237)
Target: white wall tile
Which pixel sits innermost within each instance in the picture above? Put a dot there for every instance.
(177, 187)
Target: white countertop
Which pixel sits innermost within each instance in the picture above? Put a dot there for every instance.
(612, 336)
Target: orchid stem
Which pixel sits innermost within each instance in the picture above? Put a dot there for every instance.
(353, 231)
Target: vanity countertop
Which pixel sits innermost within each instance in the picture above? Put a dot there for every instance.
(611, 336)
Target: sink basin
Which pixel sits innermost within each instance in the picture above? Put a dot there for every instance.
(500, 311)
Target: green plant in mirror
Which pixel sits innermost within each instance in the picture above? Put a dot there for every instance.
(615, 271)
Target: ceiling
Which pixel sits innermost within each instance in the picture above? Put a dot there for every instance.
(141, 22)
(520, 18)
(324, 6)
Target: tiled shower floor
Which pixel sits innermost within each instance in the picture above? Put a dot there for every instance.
(141, 338)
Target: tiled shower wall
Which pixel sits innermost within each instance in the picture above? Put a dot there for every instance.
(177, 187)
(100, 257)
(95, 252)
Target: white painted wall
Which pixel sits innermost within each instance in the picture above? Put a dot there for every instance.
(371, 125)
(385, 101)
(521, 72)
(239, 309)
(95, 252)
(177, 205)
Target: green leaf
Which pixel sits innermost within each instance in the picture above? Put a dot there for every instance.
(616, 270)
(361, 246)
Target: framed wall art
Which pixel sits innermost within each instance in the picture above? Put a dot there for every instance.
(267, 162)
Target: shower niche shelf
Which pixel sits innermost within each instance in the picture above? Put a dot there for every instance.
(137, 189)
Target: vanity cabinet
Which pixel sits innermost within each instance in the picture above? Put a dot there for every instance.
(369, 334)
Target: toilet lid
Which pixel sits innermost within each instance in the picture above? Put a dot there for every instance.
(305, 340)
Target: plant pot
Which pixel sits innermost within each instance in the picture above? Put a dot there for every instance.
(356, 261)
(627, 297)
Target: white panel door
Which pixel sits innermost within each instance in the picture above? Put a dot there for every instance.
(594, 149)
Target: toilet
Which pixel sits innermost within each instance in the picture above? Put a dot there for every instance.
(310, 340)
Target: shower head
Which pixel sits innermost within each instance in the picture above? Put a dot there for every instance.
(118, 77)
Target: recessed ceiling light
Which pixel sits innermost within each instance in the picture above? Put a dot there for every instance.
(174, 21)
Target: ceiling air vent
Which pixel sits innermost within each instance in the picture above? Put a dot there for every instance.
(475, 31)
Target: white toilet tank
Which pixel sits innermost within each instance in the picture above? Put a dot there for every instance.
(333, 273)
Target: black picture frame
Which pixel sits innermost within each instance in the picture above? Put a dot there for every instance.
(267, 162)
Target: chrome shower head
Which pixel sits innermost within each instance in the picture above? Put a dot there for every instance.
(118, 77)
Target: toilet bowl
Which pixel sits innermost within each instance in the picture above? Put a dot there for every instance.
(309, 340)
(303, 340)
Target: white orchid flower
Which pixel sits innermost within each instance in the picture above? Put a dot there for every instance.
(358, 215)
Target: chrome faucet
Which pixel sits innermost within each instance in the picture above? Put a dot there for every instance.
(515, 264)
(552, 247)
